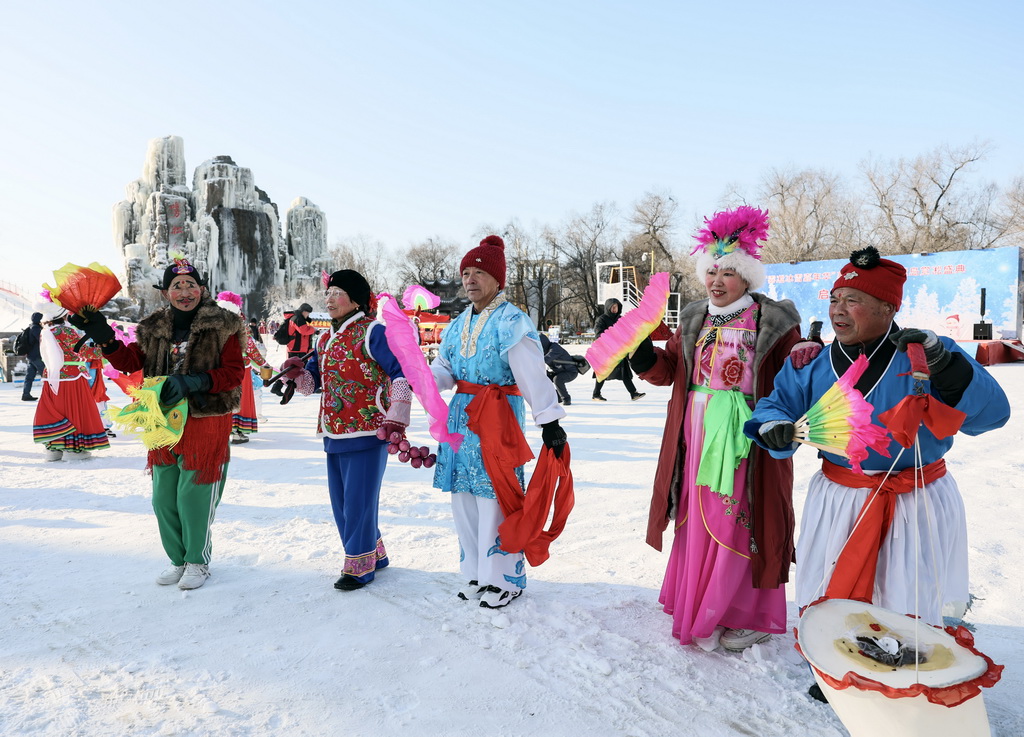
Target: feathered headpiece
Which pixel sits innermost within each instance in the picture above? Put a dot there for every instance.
(730, 239)
(49, 309)
(230, 301)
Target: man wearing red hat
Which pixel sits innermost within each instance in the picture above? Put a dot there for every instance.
(926, 540)
(492, 346)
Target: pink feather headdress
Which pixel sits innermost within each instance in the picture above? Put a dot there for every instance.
(732, 239)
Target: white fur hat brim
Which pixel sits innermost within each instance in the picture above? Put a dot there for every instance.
(749, 268)
(49, 310)
(229, 306)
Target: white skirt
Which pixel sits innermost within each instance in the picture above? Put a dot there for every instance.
(922, 562)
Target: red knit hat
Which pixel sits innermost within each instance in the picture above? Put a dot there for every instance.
(489, 256)
(874, 275)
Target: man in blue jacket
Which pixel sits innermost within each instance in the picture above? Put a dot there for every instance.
(927, 539)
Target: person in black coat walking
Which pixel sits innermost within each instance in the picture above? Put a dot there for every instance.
(561, 368)
(622, 372)
(35, 360)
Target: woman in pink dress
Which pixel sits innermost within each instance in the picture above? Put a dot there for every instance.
(729, 502)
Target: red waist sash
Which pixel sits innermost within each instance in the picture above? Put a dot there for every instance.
(854, 575)
(503, 448)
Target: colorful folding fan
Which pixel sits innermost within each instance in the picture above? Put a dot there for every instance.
(840, 421)
(79, 287)
(625, 335)
(157, 426)
(416, 296)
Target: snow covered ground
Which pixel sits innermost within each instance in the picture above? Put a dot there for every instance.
(90, 645)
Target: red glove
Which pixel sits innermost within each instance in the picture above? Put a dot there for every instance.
(803, 353)
(292, 368)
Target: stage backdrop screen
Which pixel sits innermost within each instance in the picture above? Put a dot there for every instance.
(942, 293)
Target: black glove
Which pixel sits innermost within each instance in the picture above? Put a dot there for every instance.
(777, 435)
(94, 324)
(937, 355)
(299, 319)
(553, 436)
(643, 357)
(180, 386)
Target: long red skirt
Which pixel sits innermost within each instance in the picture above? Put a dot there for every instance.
(69, 419)
(244, 421)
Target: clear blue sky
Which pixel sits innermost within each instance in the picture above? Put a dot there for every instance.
(404, 120)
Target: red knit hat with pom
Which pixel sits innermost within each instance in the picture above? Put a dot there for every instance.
(489, 256)
(877, 276)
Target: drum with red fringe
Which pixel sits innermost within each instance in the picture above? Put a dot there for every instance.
(889, 673)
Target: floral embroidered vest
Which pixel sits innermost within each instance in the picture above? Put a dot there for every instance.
(74, 363)
(355, 388)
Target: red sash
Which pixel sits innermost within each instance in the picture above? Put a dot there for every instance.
(854, 576)
(503, 448)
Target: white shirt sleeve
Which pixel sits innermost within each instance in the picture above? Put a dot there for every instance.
(527, 364)
(442, 372)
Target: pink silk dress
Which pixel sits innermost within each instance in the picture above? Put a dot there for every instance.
(708, 580)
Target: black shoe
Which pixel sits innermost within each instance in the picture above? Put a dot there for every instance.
(275, 388)
(567, 403)
(237, 438)
(599, 398)
(289, 391)
(111, 433)
(815, 693)
(29, 398)
(348, 583)
(638, 395)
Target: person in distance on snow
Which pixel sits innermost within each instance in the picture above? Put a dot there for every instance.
(298, 335)
(611, 315)
(363, 391)
(927, 539)
(732, 511)
(198, 347)
(493, 343)
(34, 359)
(561, 368)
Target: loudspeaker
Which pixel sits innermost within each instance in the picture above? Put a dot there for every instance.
(983, 331)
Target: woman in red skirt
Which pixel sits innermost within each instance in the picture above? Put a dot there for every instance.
(66, 419)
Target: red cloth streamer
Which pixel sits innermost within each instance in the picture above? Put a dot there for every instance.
(854, 576)
(905, 418)
(503, 448)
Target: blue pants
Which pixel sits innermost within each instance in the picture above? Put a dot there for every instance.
(35, 366)
(353, 480)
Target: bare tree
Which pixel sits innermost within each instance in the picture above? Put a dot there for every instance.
(366, 255)
(926, 204)
(811, 214)
(583, 242)
(431, 260)
(649, 238)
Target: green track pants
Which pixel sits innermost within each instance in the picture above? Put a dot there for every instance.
(184, 512)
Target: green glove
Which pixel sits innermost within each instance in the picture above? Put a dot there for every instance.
(180, 386)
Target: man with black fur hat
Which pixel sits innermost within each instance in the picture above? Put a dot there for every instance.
(198, 347)
(364, 393)
(927, 539)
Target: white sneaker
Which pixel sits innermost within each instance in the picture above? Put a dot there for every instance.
(171, 575)
(79, 455)
(710, 643)
(195, 576)
(495, 598)
(52, 455)
(736, 641)
(471, 590)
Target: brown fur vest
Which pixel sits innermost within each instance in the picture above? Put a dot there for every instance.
(211, 329)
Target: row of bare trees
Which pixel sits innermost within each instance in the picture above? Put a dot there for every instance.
(930, 203)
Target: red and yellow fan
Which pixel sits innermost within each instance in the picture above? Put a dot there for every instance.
(840, 422)
(79, 287)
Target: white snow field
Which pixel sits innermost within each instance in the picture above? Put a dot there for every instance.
(91, 645)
